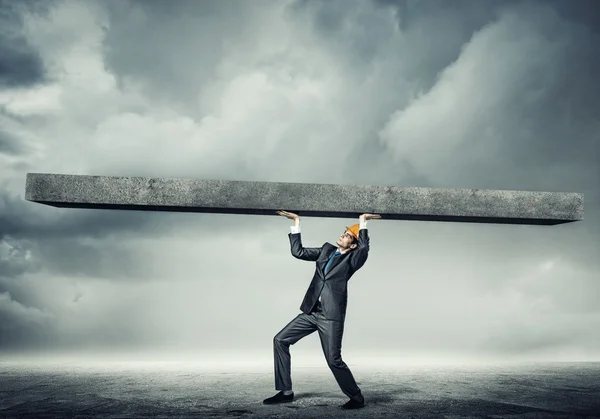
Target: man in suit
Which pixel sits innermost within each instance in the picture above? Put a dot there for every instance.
(323, 307)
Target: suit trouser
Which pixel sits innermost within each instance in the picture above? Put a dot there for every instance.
(330, 333)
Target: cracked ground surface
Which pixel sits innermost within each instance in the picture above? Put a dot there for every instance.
(125, 391)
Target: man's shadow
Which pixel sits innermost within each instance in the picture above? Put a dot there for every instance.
(380, 397)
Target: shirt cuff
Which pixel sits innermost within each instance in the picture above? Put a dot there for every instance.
(363, 224)
(295, 229)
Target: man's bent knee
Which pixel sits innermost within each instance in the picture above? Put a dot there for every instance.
(278, 340)
(335, 362)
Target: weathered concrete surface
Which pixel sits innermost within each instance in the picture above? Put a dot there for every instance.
(319, 200)
(75, 391)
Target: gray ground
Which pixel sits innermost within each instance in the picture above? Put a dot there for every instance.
(543, 391)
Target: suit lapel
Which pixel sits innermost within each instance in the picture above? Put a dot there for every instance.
(323, 263)
(334, 263)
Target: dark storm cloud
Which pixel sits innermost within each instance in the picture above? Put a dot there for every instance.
(58, 240)
(60, 243)
(25, 326)
(193, 34)
(547, 112)
(536, 126)
(433, 34)
(9, 144)
(550, 119)
(584, 12)
(22, 327)
(20, 64)
(23, 219)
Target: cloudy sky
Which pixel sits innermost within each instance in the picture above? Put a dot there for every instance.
(457, 94)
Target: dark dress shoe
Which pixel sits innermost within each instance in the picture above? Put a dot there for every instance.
(279, 398)
(354, 404)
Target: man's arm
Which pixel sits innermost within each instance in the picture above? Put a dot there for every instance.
(359, 256)
(298, 251)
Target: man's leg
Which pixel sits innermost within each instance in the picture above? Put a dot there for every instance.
(331, 333)
(301, 326)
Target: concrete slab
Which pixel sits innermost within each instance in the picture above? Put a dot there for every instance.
(312, 200)
(125, 391)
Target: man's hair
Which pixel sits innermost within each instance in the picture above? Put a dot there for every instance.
(354, 240)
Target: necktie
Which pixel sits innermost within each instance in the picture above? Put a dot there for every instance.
(331, 260)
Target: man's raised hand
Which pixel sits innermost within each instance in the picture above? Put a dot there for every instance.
(369, 216)
(289, 215)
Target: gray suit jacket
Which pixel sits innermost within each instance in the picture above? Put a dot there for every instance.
(332, 286)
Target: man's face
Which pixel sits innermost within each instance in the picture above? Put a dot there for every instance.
(345, 240)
